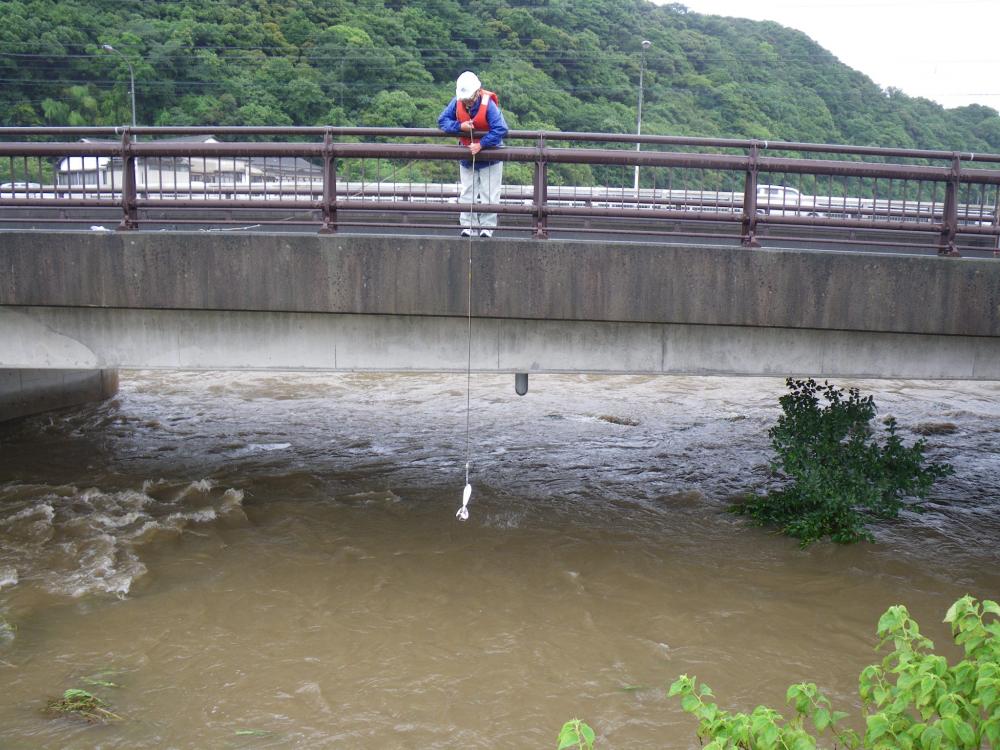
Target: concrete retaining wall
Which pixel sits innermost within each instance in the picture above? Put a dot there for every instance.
(24, 392)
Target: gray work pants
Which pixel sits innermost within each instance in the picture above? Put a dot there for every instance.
(480, 186)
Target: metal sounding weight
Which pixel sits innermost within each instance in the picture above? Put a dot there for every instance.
(463, 512)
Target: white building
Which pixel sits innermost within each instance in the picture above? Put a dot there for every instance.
(177, 176)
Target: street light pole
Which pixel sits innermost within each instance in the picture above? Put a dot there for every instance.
(131, 76)
(638, 119)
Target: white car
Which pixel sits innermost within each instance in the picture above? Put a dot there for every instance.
(780, 200)
(20, 190)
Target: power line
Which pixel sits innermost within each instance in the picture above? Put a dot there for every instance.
(547, 57)
(224, 84)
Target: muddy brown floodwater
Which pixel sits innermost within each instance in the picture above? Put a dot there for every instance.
(273, 561)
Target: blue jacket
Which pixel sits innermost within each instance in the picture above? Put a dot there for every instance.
(448, 122)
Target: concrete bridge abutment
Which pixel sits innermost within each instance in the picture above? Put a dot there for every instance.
(24, 392)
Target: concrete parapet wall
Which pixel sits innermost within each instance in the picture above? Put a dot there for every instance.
(512, 279)
(93, 301)
(32, 391)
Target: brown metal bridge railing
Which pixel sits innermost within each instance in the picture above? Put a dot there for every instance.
(700, 182)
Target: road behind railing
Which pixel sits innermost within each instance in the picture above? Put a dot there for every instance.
(573, 182)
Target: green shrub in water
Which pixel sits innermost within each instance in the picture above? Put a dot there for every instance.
(912, 700)
(840, 476)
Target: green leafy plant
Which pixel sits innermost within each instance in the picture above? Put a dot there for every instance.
(915, 700)
(576, 734)
(840, 476)
(83, 704)
(764, 727)
(912, 700)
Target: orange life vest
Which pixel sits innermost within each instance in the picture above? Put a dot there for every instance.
(479, 121)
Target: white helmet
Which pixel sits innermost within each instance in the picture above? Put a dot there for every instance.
(467, 85)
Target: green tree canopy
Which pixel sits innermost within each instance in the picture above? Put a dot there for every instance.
(564, 64)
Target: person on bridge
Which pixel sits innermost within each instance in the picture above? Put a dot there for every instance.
(476, 109)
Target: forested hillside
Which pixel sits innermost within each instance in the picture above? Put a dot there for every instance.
(556, 64)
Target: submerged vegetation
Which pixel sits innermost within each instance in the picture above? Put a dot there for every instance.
(623, 421)
(840, 476)
(99, 682)
(82, 704)
(912, 700)
(7, 629)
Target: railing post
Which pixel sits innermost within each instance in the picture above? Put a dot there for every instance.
(996, 223)
(329, 186)
(130, 214)
(749, 223)
(540, 190)
(949, 226)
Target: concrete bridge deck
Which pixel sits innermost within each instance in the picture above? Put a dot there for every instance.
(290, 302)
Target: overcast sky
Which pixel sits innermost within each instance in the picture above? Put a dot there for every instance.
(944, 50)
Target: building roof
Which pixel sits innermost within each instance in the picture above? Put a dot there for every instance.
(178, 139)
(279, 167)
(288, 164)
